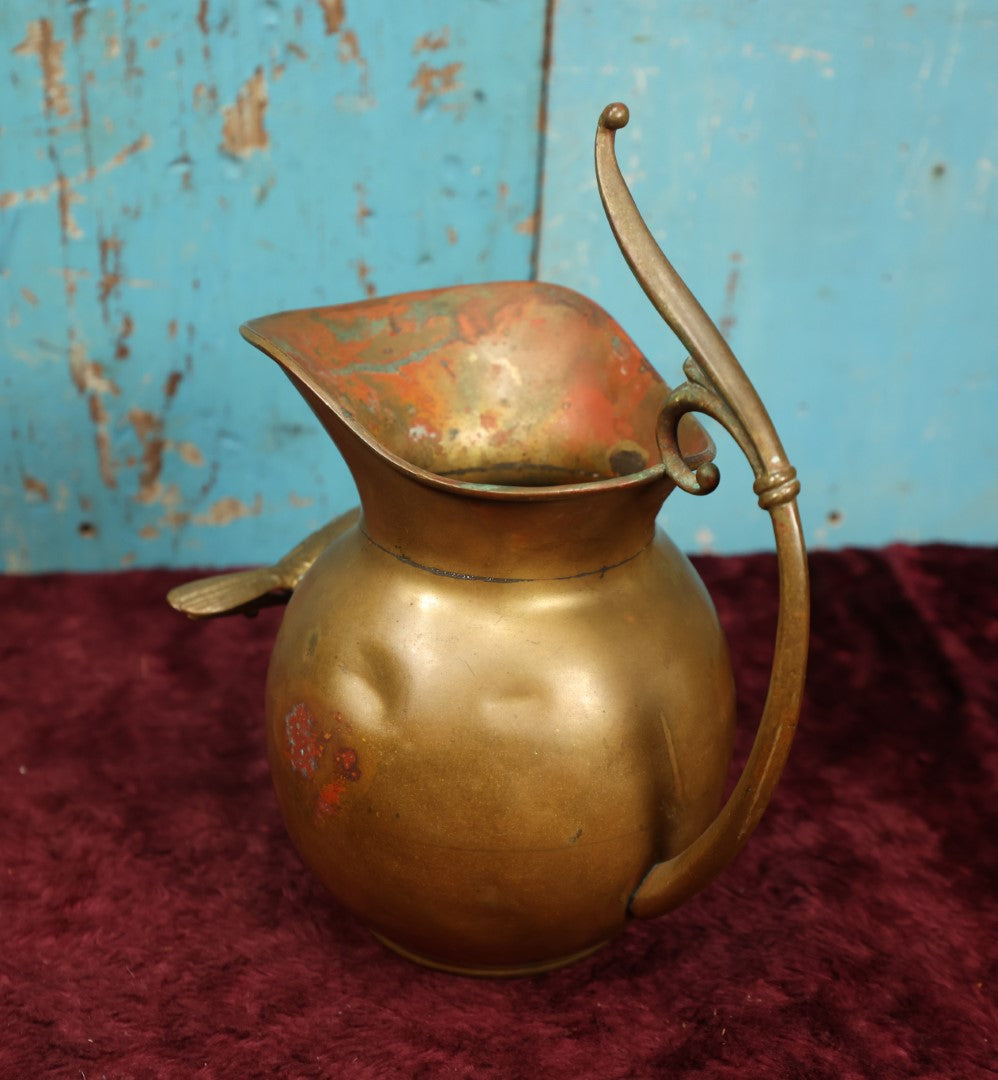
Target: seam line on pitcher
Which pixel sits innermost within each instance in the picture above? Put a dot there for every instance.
(458, 576)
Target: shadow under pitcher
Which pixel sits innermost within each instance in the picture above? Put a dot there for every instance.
(500, 707)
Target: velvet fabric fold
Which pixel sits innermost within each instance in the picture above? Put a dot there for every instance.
(155, 921)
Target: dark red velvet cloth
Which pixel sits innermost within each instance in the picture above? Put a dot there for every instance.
(156, 922)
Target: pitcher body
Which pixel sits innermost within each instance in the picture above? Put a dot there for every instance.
(484, 770)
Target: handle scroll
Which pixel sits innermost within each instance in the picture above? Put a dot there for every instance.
(717, 387)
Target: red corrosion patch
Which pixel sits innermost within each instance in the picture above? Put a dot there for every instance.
(331, 794)
(347, 771)
(303, 745)
(329, 798)
(346, 762)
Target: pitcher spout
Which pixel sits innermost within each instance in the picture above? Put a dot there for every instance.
(521, 395)
(500, 386)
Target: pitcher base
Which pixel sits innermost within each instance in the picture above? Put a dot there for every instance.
(487, 971)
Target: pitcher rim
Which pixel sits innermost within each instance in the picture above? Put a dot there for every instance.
(518, 492)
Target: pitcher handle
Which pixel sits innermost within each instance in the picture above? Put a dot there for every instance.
(718, 387)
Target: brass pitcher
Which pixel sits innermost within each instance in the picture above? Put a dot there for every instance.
(500, 707)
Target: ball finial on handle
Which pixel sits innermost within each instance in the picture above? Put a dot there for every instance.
(615, 116)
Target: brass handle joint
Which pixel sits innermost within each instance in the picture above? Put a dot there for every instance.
(777, 487)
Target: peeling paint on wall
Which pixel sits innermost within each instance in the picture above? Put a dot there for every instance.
(431, 42)
(334, 12)
(243, 131)
(528, 227)
(728, 318)
(65, 187)
(40, 42)
(788, 167)
(229, 509)
(434, 82)
(148, 428)
(363, 211)
(364, 279)
(34, 488)
(99, 418)
(180, 169)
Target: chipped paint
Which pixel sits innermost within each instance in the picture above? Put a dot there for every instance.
(67, 197)
(364, 278)
(80, 24)
(99, 418)
(110, 270)
(431, 42)
(64, 186)
(528, 226)
(434, 82)
(728, 319)
(189, 453)
(205, 97)
(363, 211)
(349, 48)
(36, 490)
(797, 53)
(133, 247)
(333, 13)
(173, 381)
(40, 41)
(148, 428)
(88, 375)
(228, 509)
(121, 347)
(243, 131)
(349, 54)
(863, 240)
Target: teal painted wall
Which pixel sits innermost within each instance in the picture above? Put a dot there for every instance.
(822, 175)
(169, 171)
